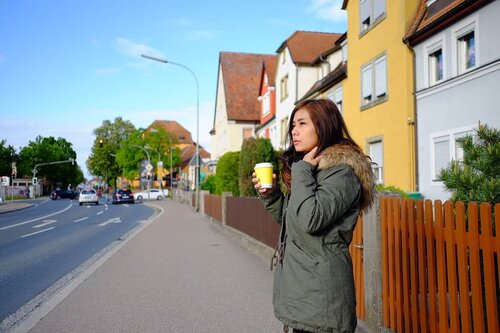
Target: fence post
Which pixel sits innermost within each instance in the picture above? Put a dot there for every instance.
(202, 201)
(224, 206)
(372, 260)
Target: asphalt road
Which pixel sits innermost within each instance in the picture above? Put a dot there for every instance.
(42, 244)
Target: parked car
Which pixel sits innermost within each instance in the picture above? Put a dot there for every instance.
(154, 194)
(123, 195)
(63, 194)
(88, 196)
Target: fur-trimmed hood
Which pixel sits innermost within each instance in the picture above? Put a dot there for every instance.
(359, 163)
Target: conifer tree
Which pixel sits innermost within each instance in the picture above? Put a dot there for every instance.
(477, 177)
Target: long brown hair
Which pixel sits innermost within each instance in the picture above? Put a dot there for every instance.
(330, 128)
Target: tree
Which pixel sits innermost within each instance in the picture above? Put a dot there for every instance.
(254, 150)
(227, 174)
(48, 150)
(7, 156)
(476, 178)
(102, 159)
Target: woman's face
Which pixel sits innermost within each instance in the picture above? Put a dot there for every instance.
(303, 132)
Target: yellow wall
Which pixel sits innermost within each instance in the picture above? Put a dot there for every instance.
(389, 119)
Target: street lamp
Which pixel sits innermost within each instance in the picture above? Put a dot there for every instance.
(149, 162)
(197, 168)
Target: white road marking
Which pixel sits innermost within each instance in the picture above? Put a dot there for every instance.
(99, 213)
(82, 219)
(37, 232)
(45, 222)
(113, 220)
(38, 218)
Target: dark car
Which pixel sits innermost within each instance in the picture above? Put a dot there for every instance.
(63, 194)
(123, 195)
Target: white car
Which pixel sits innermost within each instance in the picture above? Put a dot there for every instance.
(88, 195)
(154, 194)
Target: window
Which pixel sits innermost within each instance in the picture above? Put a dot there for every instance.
(247, 133)
(374, 81)
(284, 87)
(376, 151)
(266, 104)
(435, 66)
(344, 51)
(336, 97)
(284, 130)
(371, 12)
(445, 148)
(441, 155)
(466, 52)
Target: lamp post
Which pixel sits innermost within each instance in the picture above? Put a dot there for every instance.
(197, 167)
(149, 162)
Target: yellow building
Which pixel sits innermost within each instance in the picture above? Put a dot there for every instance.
(378, 101)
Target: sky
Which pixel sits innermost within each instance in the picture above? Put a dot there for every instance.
(68, 65)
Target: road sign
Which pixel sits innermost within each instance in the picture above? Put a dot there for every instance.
(149, 167)
(5, 181)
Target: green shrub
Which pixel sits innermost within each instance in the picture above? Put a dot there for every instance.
(209, 184)
(254, 150)
(227, 174)
(392, 189)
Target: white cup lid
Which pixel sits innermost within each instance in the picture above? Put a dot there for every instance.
(263, 165)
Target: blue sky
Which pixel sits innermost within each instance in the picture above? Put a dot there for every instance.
(65, 66)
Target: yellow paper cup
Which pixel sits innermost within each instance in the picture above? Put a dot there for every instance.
(264, 172)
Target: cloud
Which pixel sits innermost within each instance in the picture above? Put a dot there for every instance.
(330, 10)
(133, 49)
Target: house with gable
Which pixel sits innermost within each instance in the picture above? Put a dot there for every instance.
(457, 64)
(297, 72)
(267, 99)
(237, 109)
(330, 83)
(182, 139)
(378, 104)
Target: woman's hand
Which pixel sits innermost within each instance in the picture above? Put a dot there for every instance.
(309, 157)
(263, 191)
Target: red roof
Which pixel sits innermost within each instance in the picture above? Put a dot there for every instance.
(306, 46)
(439, 15)
(241, 73)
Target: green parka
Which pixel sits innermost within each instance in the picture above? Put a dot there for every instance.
(313, 281)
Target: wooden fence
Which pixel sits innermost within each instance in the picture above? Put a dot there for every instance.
(213, 206)
(356, 250)
(440, 266)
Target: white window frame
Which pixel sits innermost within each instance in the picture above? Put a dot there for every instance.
(378, 168)
(458, 31)
(370, 68)
(431, 47)
(337, 96)
(372, 19)
(266, 103)
(451, 136)
(284, 87)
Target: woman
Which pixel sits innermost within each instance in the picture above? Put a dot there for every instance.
(327, 183)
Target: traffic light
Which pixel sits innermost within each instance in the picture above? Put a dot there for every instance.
(101, 141)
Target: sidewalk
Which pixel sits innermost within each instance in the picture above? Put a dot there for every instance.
(178, 273)
(13, 206)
